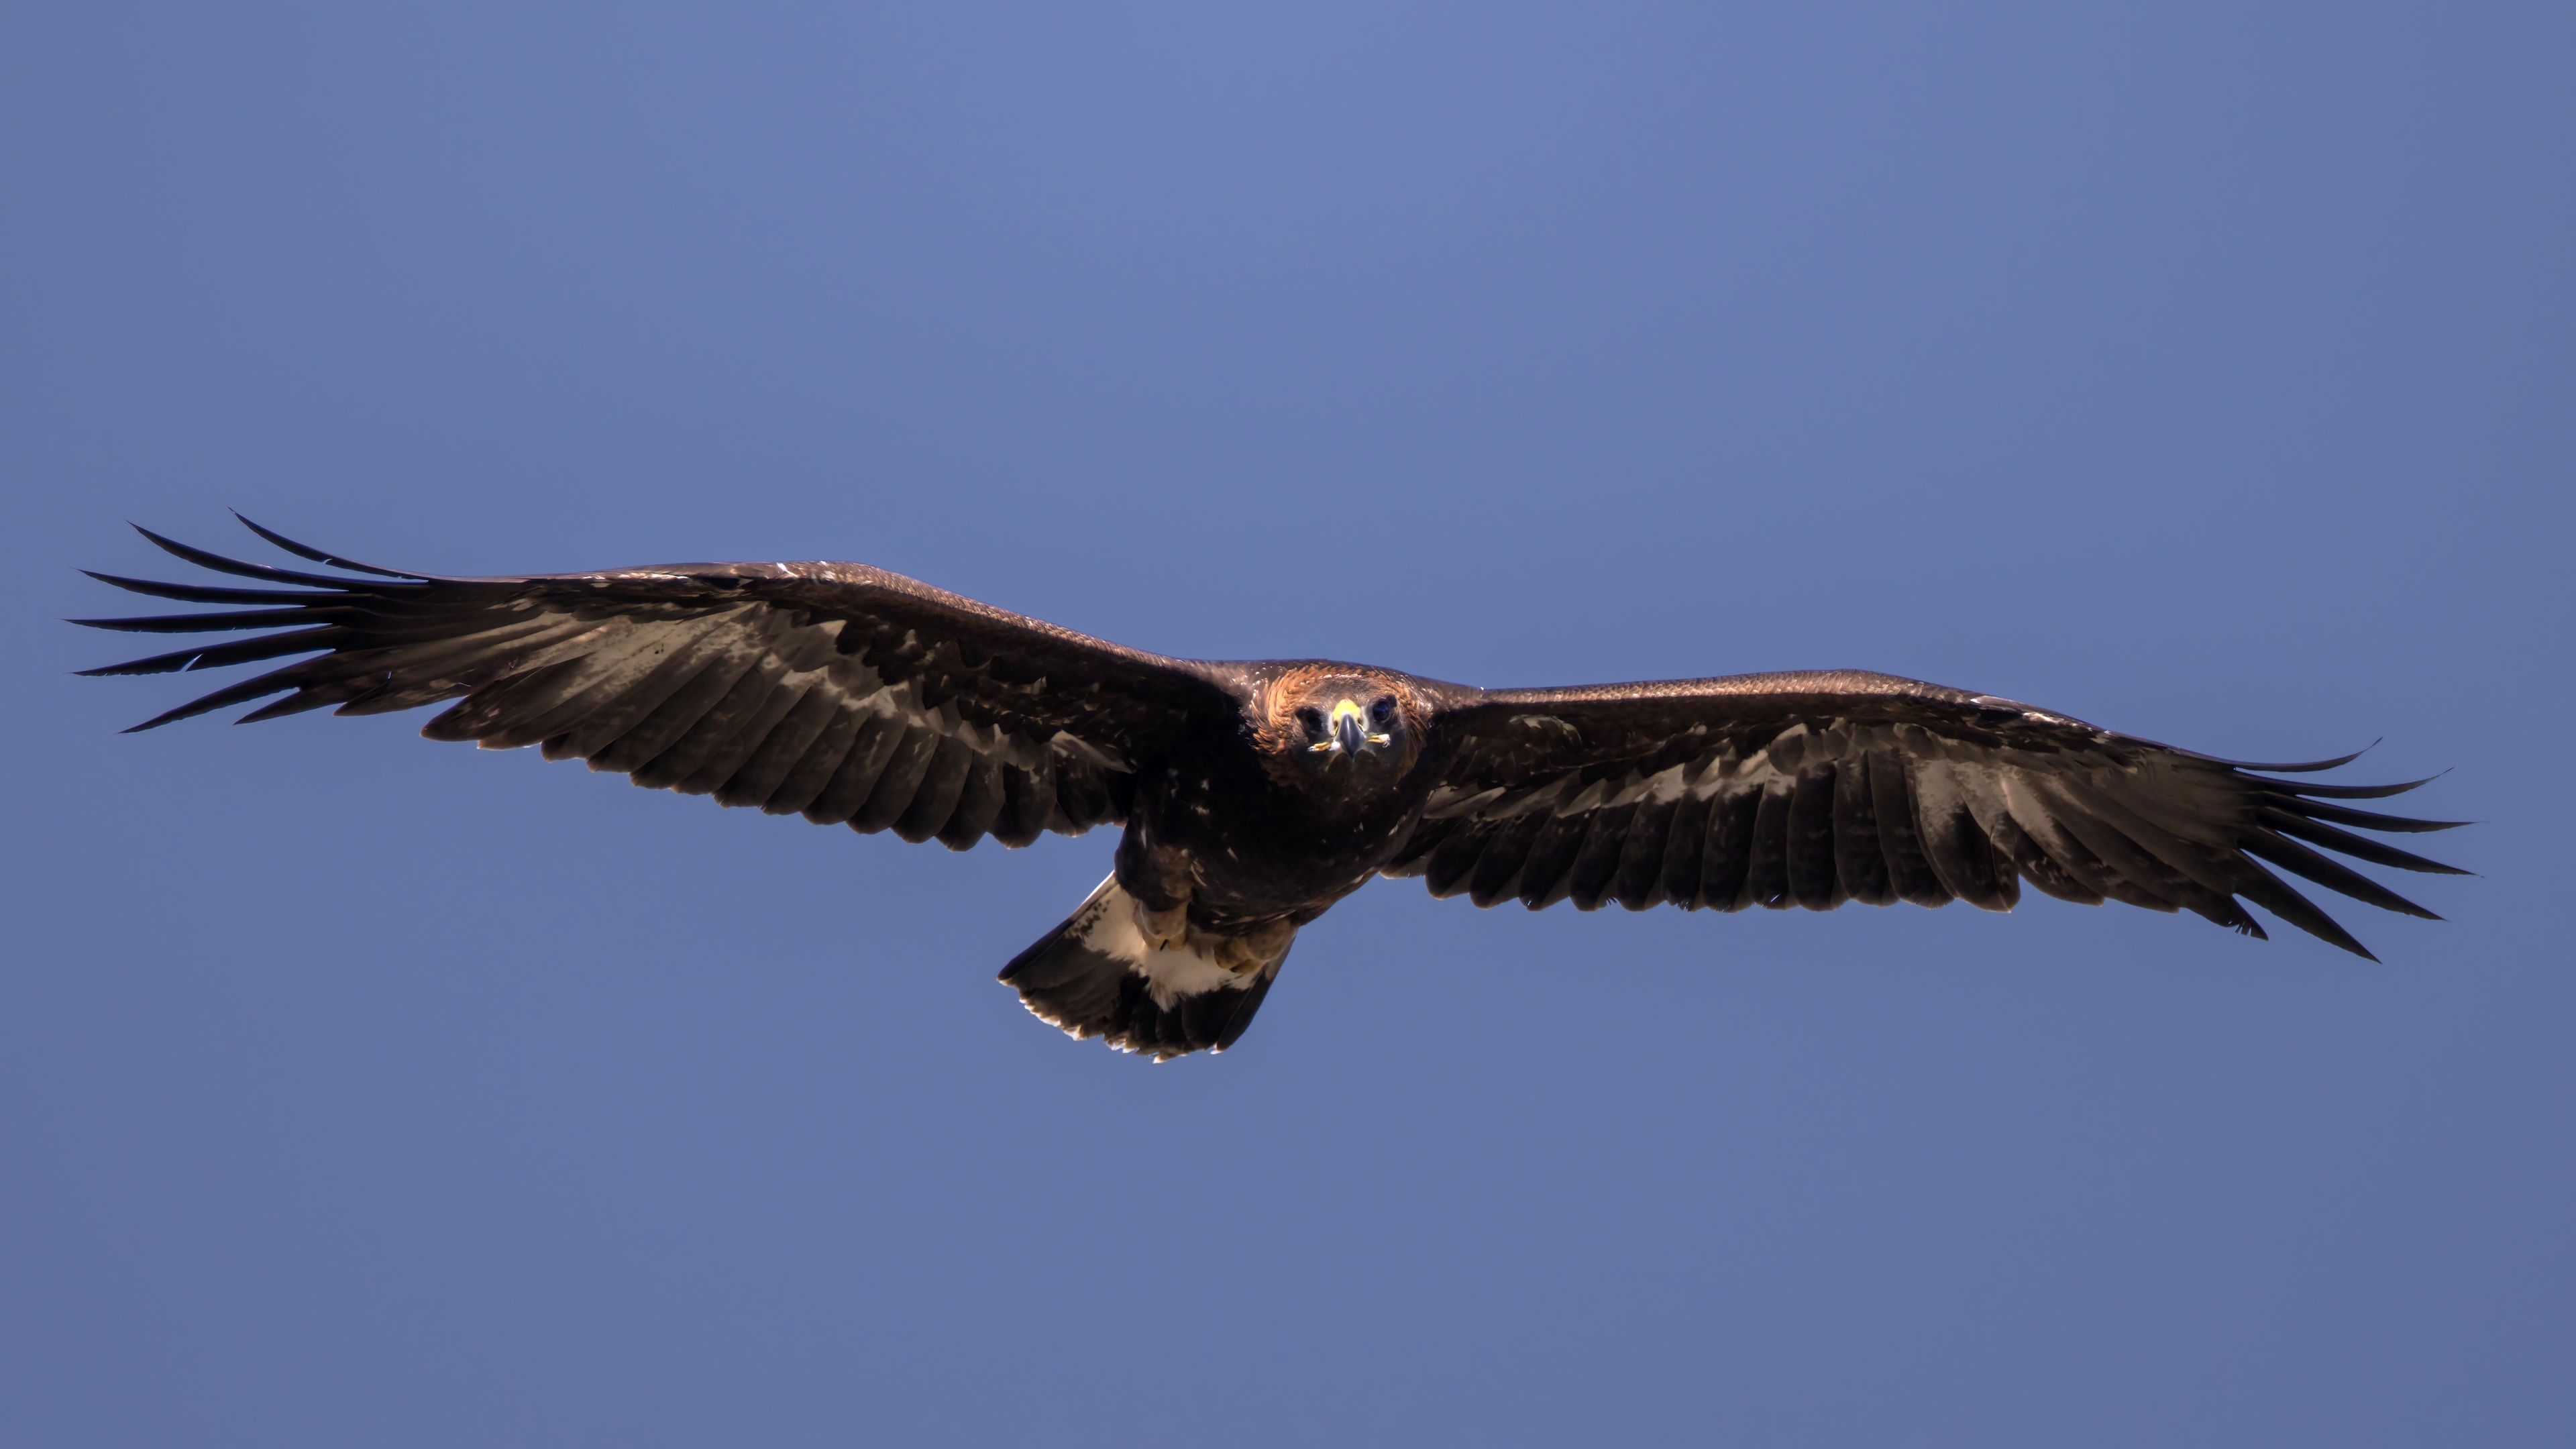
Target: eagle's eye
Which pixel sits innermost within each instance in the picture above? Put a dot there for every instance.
(1312, 718)
(1382, 713)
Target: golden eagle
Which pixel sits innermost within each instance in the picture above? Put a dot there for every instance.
(1252, 795)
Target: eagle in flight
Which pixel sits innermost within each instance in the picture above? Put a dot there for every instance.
(1252, 795)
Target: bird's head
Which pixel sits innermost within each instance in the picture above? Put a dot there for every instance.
(1318, 722)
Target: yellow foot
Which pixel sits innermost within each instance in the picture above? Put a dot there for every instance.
(1244, 955)
(1163, 930)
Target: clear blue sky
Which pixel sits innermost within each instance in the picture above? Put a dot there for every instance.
(2201, 371)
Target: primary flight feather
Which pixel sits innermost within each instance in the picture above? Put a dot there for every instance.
(1252, 795)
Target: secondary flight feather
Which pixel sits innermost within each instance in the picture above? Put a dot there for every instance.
(1252, 795)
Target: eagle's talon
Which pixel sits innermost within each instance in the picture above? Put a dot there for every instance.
(1163, 930)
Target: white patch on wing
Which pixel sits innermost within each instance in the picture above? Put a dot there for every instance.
(1108, 926)
(1065, 743)
(860, 688)
(2038, 816)
(1948, 775)
(618, 652)
(1936, 793)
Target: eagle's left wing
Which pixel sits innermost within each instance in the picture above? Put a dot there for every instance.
(838, 691)
(1811, 789)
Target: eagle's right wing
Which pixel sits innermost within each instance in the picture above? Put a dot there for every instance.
(838, 691)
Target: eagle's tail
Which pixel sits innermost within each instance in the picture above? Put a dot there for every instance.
(1095, 975)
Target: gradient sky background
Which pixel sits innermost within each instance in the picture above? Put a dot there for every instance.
(2202, 371)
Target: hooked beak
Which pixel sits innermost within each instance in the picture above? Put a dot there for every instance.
(1350, 728)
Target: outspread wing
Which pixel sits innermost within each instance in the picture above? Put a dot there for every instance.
(841, 692)
(1812, 789)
